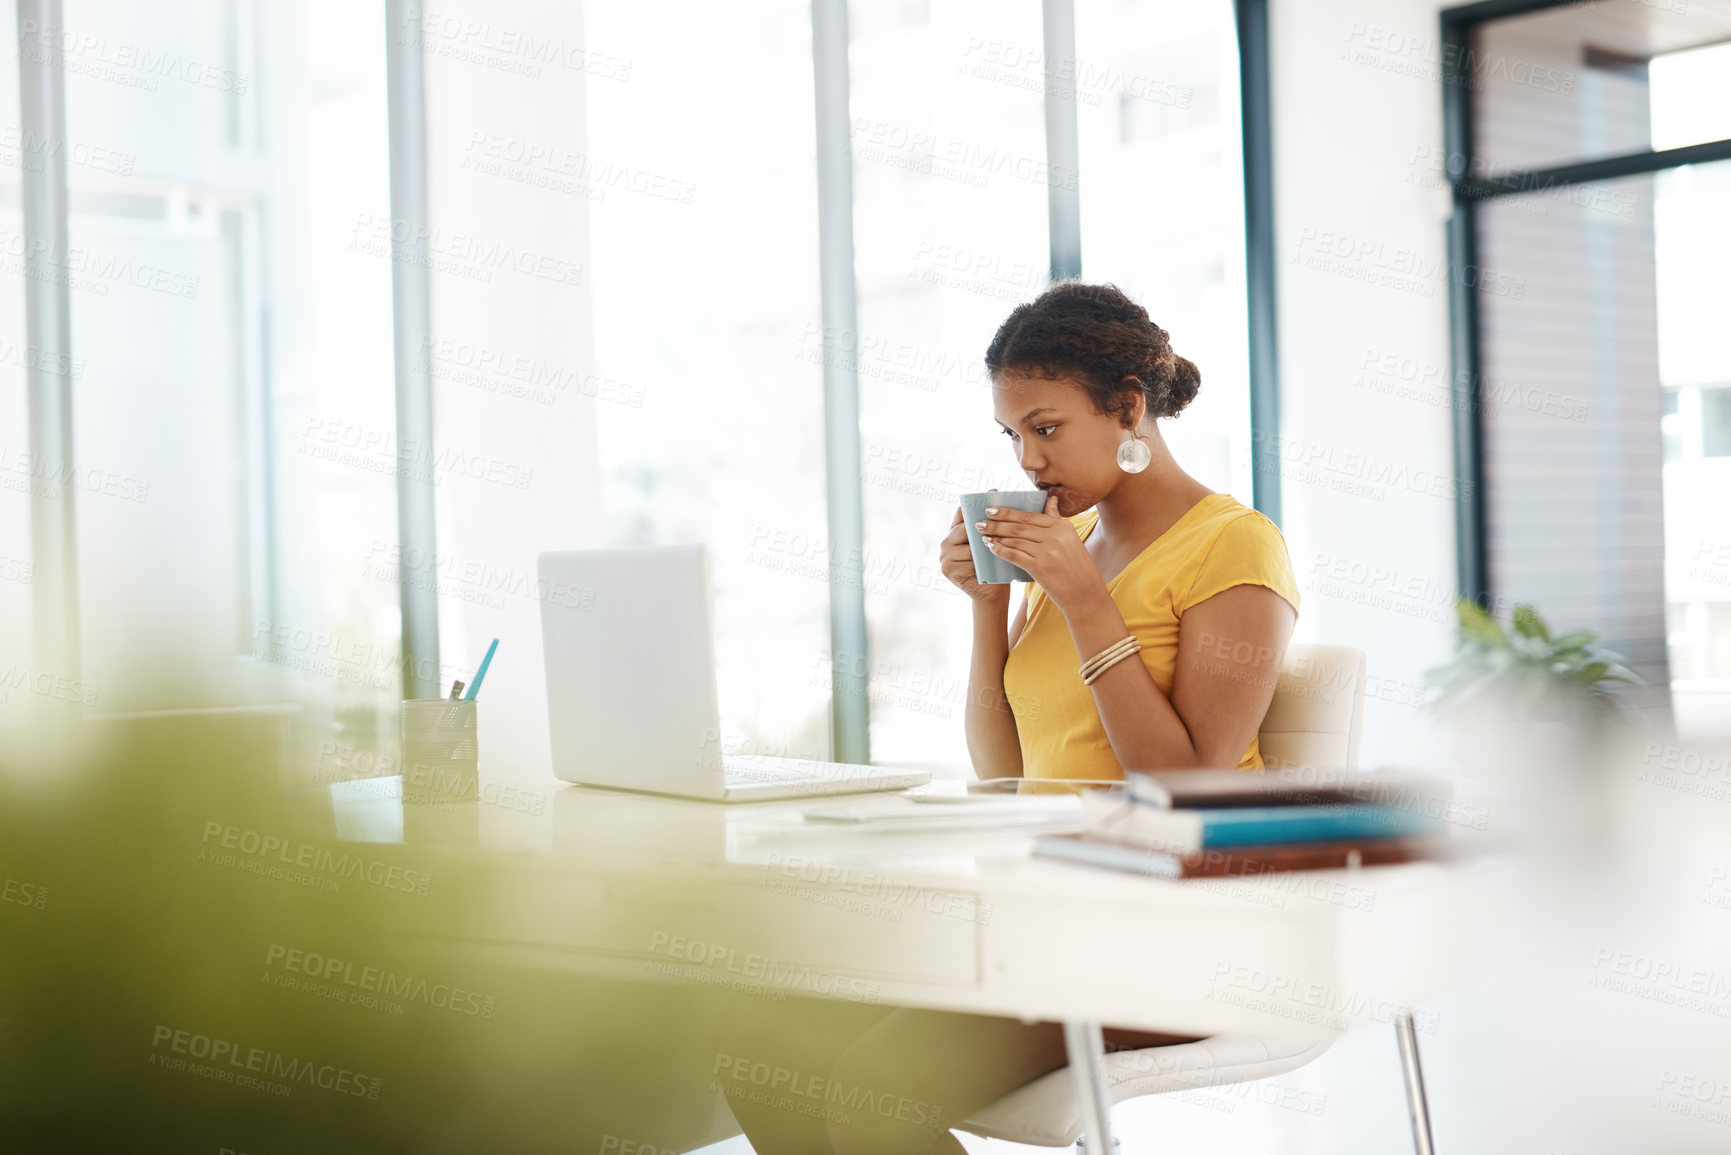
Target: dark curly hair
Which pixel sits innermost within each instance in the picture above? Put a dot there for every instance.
(1099, 336)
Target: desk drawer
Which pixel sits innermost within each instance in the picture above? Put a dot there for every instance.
(761, 931)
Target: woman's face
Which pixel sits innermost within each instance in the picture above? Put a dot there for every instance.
(1064, 444)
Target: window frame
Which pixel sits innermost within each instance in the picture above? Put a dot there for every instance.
(1467, 192)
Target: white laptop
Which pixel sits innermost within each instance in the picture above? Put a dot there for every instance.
(631, 702)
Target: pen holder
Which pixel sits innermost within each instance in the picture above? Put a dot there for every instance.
(440, 751)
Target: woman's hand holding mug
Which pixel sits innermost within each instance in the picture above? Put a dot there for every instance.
(956, 560)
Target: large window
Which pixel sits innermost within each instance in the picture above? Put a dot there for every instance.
(707, 305)
(231, 363)
(1692, 253)
(951, 183)
(17, 563)
(234, 401)
(1594, 262)
(707, 324)
(1163, 204)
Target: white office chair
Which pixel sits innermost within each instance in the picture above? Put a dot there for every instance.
(1314, 720)
(1318, 708)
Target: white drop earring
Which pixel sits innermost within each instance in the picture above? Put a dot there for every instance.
(1134, 455)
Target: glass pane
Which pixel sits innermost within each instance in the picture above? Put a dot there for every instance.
(706, 316)
(1585, 81)
(233, 419)
(951, 189)
(1671, 426)
(1692, 228)
(16, 564)
(1716, 422)
(1162, 194)
(1605, 386)
(1691, 96)
(950, 192)
(1572, 407)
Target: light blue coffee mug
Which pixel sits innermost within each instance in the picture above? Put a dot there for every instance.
(988, 566)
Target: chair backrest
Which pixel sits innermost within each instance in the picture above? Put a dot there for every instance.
(1318, 708)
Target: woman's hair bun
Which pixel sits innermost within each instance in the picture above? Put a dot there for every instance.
(1098, 335)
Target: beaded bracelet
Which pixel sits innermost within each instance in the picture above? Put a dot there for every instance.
(1107, 658)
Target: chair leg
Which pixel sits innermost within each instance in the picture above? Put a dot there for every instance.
(1417, 1105)
(1087, 1052)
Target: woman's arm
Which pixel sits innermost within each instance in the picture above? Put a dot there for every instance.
(1229, 651)
(1229, 646)
(993, 744)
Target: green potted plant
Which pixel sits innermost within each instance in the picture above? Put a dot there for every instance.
(1536, 722)
(1523, 674)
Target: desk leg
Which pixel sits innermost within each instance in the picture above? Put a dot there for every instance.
(1416, 1104)
(1087, 1051)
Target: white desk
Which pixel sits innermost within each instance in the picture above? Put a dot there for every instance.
(750, 896)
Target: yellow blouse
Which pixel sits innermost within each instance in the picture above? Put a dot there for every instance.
(1217, 544)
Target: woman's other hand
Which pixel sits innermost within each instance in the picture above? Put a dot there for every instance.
(956, 559)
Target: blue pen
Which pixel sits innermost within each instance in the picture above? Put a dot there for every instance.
(475, 686)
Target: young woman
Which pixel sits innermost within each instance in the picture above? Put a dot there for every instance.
(1129, 547)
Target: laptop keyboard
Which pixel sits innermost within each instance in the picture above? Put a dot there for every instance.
(754, 770)
(743, 769)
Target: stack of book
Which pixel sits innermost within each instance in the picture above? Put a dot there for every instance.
(1228, 823)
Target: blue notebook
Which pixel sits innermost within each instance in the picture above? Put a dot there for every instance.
(1138, 824)
(1260, 825)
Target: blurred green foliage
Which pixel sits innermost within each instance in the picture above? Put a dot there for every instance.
(1526, 672)
(159, 872)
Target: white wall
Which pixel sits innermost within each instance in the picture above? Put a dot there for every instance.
(1361, 207)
